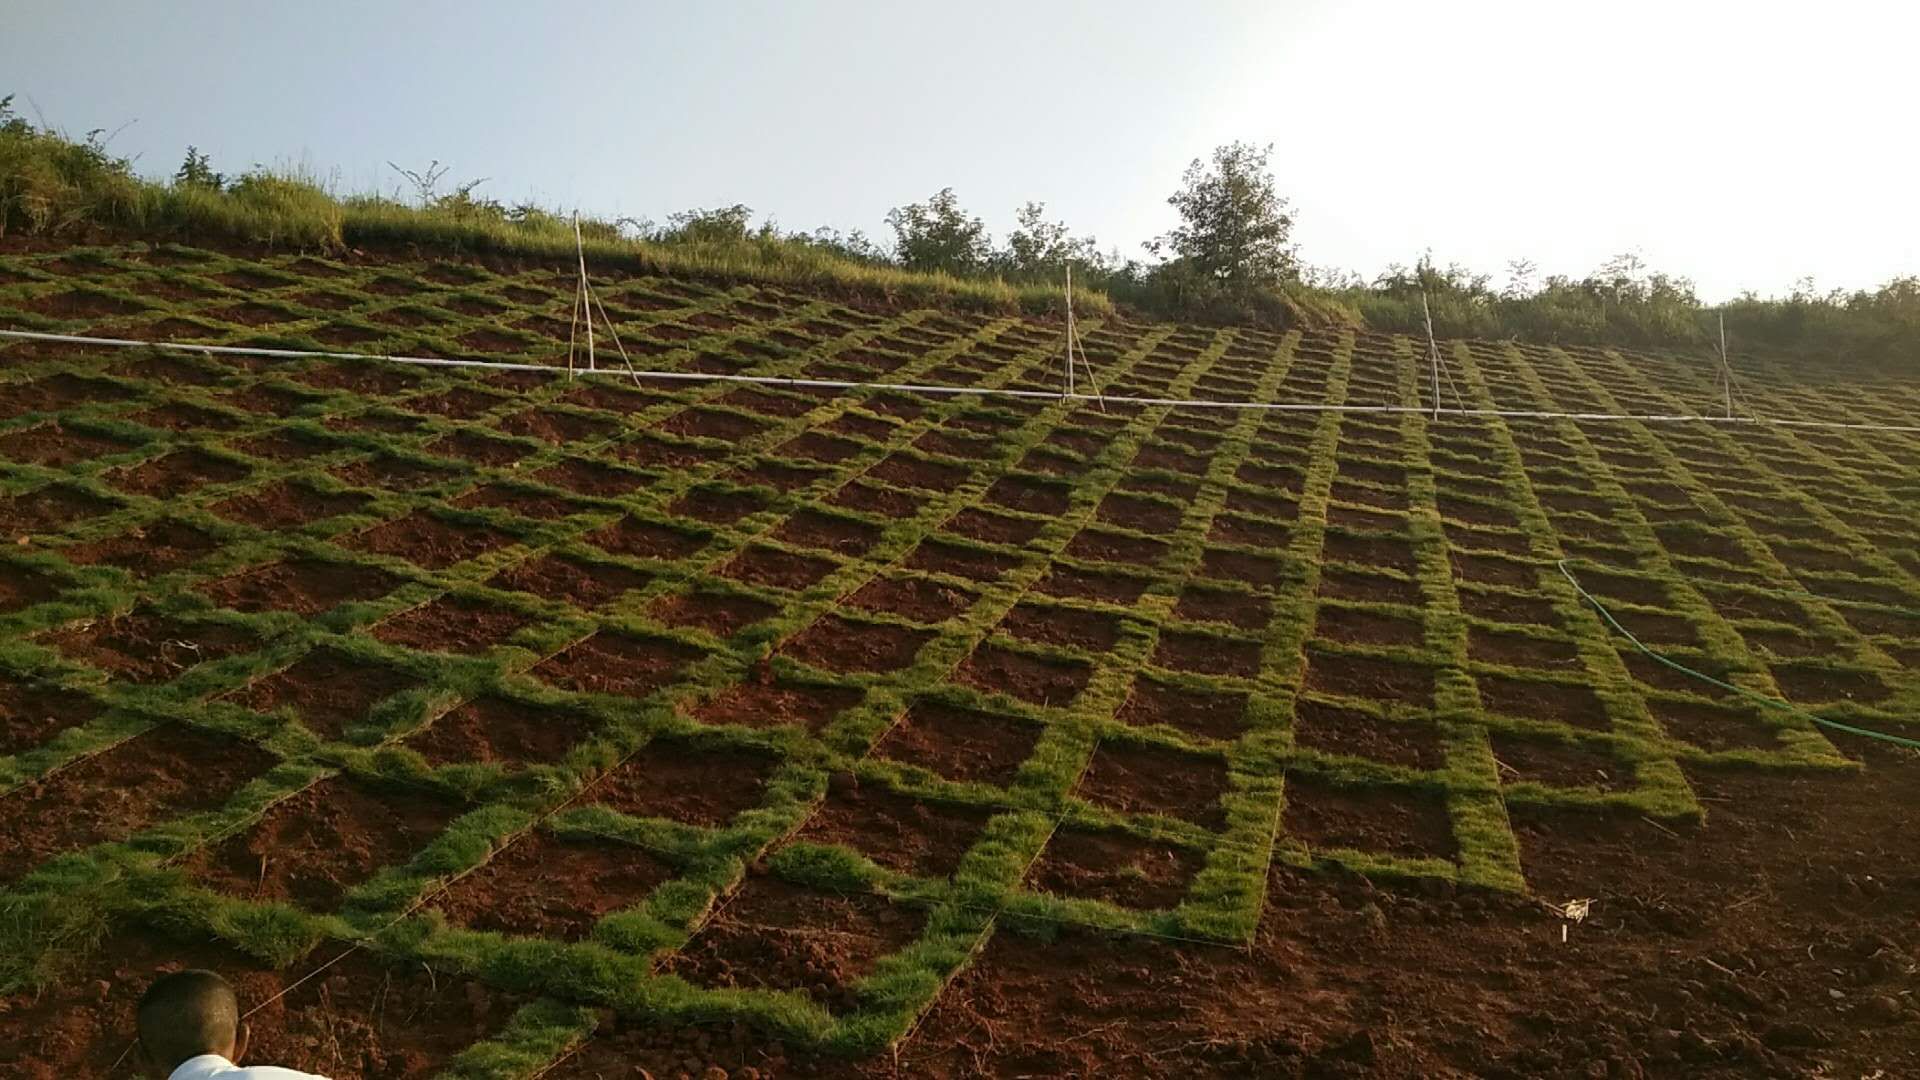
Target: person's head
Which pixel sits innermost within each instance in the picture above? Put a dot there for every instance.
(186, 1014)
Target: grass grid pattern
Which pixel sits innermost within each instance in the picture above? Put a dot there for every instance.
(745, 667)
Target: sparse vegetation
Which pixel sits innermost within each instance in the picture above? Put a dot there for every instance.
(1229, 261)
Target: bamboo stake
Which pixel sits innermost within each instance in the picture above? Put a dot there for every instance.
(1727, 369)
(580, 247)
(1433, 350)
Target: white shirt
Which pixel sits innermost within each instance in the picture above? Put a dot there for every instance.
(207, 1066)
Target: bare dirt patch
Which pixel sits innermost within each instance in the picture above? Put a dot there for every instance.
(960, 744)
(773, 567)
(1099, 545)
(384, 470)
(527, 502)
(432, 541)
(287, 504)
(567, 580)
(899, 832)
(1218, 715)
(1521, 650)
(1713, 727)
(1558, 763)
(686, 781)
(48, 509)
(471, 446)
(763, 705)
(1145, 779)
(1331, 729)
(1369, 677)
(1114, 867)
(1094, 631)
(1029, 495)
(312, 848)
(1520, 609)
(844, 536)
(638, 539)
(148, 648)
(451, 624)
(940, 557)
(559, 428)
(1245, 611)
(843, 645)
(1406, 823)
(302, 586)
(1037, 679)
(552, 886)
(1245, 567)
(919, 599)
(1815, 683)
(177, 474)
(1207, 654)
(31, 713)
(363, 1018)
(876, 499)
(1075, 583)
(57, 446)
(988, 527)
(719, 507)
(722, 614)
(614, 663)
(155, 548)
(170, 770)
(777, 936)
(22, 588)
(1574, 704)
(328, 690)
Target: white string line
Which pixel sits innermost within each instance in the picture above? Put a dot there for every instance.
(921, 388)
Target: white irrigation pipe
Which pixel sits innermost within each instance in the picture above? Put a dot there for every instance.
(924, 388)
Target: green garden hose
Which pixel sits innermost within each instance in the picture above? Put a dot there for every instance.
(1772, 703)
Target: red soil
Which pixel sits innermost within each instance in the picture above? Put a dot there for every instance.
(31, 713)
(301, 586)
(329, 691)
(553, 887)
(168, 771)
(312, 848)
(899, 832)
(143, 647)
(499, 730)
(757, 705)
(776, 936)
(959, 744)
(1115, 867)
(685, 782)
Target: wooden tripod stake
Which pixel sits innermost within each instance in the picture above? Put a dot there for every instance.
(1073, 343)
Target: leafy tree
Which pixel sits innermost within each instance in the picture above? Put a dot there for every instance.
(1234, 226)
(197, 171)
(1520, 274)
(1038, 247)
(852, 244)
(726, 224)
(938, 235)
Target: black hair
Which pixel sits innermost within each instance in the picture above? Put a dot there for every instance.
(186, 1014)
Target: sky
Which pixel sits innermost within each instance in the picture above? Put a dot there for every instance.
(1742, 145)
